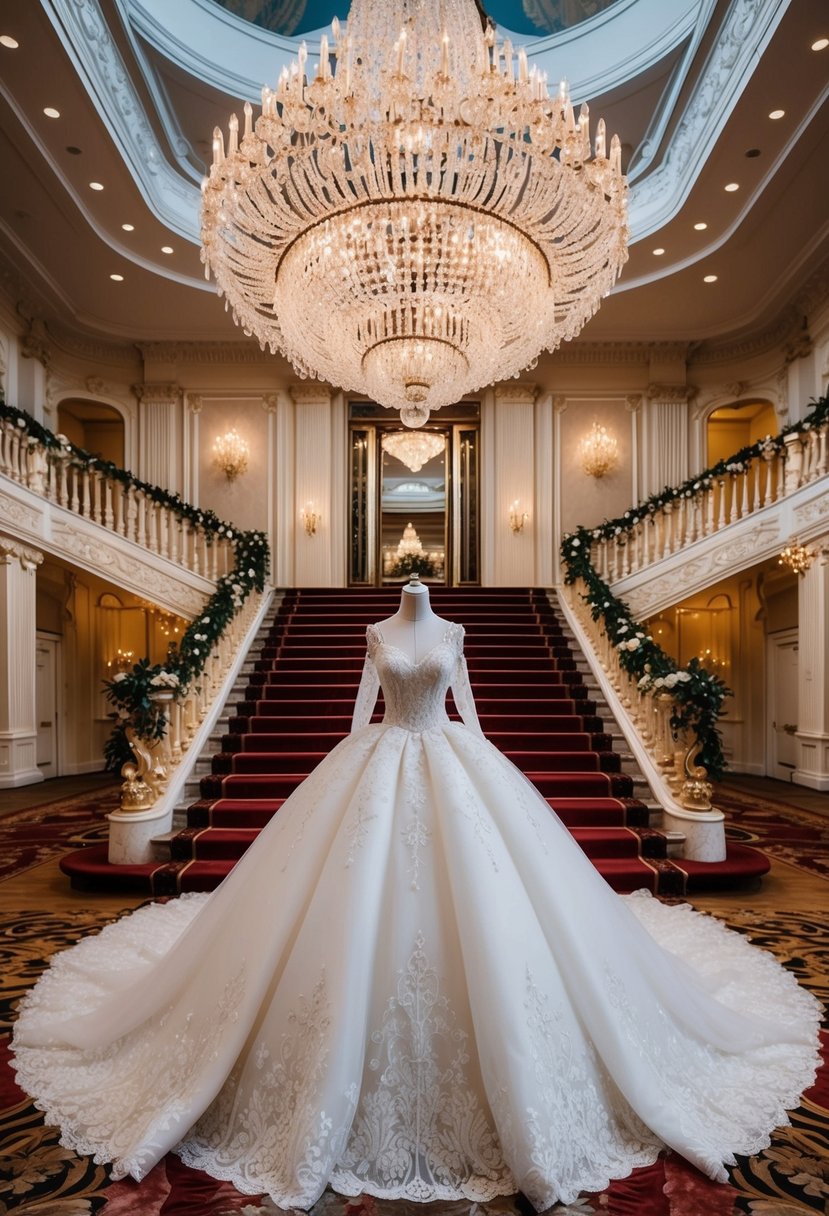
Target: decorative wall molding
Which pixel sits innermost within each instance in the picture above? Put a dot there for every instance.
(313, 393)
(204, 352)
(14, 550)
(516, 394)
(671, 394)
(159, 392)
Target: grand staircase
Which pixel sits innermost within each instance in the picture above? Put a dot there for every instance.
(535, 703)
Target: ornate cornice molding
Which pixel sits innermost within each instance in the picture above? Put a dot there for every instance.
(14, 550)
(204, 352)
(159, 392)
(311, 394)
(671, 394)
(516, 394)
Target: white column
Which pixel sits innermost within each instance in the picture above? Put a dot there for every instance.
(813, 677)
(159, 434)
(281, 410)
(545, 543)
(18, 658)
(666, 436)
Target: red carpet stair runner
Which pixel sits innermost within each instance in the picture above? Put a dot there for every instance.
(532, 701)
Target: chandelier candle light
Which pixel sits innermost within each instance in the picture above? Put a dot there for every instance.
(419, 219)
(598, 451)
(230, 453)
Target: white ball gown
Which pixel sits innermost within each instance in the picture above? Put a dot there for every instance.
(415, 985)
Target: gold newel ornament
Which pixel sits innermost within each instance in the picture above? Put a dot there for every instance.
(418, 217)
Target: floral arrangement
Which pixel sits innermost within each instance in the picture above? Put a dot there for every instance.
(413, 563)
(698, 694)
(131, 692)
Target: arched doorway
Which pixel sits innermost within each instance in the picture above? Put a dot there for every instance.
(733, 427)
(97, 428)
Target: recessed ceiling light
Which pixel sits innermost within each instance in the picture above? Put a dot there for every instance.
(820, 45)
(710, 278)
(166, 248)
(732, 186)
(657, 253)
(95, 186)
(753, 152)
(117, 278)
(11, 43)
(72, 150)
(775, 114)
(51, 112)
(128, 227)
(701, 226)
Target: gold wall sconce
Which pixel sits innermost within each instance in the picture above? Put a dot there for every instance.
(230, 454)
(517, 517)
(598, 451)
(310, 518)
(797, 557)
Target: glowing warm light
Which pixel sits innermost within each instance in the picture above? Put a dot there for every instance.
(657, 253)
(420, 220)
(413, 448)
(230, 454)
(775, 114)
(598, 451)
(95, 186)
(731, 187)
(701, 226)
(10, 43)
(797, 557)
(709, 278)
(117, 278)
(51, 112)
(128, 227)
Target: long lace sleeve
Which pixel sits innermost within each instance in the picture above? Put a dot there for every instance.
(462, 691)
(367, 692)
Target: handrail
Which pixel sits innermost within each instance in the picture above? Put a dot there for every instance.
(161, 522)
(594, 558)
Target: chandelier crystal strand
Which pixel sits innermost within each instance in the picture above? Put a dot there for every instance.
(418, 221)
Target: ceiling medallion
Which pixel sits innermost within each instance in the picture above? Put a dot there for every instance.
(413, 448)
(419, 219)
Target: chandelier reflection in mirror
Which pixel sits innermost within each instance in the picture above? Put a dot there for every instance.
(414, 449)
(419, 219)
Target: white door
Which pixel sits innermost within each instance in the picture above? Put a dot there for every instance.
(781, 760)
(46, 705)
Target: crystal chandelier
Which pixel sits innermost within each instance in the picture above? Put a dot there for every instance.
(230, 453)
(410, 544)
(414, 449)
(418, 220)
(797, 557)
(598, 451)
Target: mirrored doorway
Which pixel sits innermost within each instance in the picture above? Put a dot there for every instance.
(414, 498)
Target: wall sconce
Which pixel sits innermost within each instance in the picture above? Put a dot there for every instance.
(310, 518)
(230, 454)
(598, 451)
(517, 517)
(797, 557)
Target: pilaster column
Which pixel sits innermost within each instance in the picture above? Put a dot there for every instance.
(666, 436)
(159, 434)
(18, 664)
(312, 485)
(515, 485)
(813, 676)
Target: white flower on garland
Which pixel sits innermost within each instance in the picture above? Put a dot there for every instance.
(165, 679)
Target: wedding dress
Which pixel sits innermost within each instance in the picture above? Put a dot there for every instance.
(415, 985)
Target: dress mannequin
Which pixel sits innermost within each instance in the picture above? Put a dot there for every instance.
(414, 629)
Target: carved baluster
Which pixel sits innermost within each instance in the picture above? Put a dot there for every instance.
(152, 526)
(793, 464)
(824, 451)
(745, 505)
(141, 521)
(120, 504)
(38, 470)
(109, 514)
(214, 565)
(74, 481)
(719, 491)
(163, 530)
(667, 517)
(174, 731)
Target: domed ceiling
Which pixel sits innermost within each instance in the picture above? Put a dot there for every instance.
(530, 17)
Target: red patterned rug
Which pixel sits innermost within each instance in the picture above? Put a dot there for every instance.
(29, 838)
(781, 830)
(38, 1177)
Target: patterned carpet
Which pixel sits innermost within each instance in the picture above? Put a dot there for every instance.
(40, 1178)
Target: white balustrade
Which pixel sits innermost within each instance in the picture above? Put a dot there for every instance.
(122, 507)
(716, 504)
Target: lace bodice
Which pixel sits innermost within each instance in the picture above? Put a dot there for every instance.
(415, 693)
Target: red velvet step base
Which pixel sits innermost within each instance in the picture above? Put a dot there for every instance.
(532, 703)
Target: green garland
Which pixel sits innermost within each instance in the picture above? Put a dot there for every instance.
(131, 692)
(698, 694)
